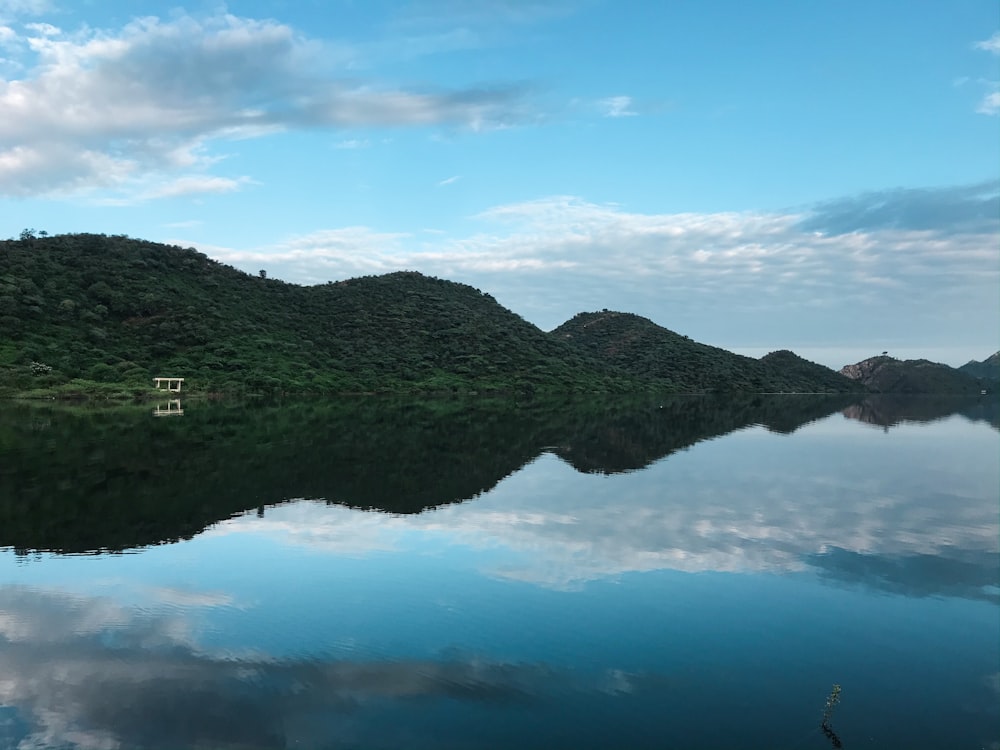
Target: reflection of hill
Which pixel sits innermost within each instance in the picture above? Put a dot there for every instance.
(970, 574)
(632, 440)
(887, 411)
(86, 480)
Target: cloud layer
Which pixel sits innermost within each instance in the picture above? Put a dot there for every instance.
(835, 268)
(109, 109)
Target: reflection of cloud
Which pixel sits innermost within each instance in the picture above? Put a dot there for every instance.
(750, 518)
(83, 673)
(319, 526)
(188, 598)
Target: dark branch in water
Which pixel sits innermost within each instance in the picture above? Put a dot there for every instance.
(831, 701)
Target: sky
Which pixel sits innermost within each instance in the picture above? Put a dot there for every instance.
(823, 177)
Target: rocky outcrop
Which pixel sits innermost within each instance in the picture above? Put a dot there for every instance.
(885, 374)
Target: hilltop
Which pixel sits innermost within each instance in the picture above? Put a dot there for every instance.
(988, 369)
(885, 374)
(646, 350)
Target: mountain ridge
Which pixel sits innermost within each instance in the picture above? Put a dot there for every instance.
(102, 315)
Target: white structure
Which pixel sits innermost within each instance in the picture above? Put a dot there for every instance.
(172, 384)
(171, 409)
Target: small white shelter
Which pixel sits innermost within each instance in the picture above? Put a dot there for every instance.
(172, 384)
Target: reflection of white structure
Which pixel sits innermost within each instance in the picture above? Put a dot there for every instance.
(171, 409)
(172, 384)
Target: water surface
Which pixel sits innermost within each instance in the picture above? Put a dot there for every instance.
(690, 573)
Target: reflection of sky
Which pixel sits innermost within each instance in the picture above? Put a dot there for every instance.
(552, 608)
(752, 501)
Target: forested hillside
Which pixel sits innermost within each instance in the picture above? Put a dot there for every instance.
(646, 350)
(88, 313)
(119, 310)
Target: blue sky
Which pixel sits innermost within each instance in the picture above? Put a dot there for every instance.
(817, 176)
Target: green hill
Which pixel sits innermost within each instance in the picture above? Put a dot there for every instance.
(886, 374)
(645, 350)
(121, 311)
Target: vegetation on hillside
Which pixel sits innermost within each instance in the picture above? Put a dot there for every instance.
(96, 315)
(645, 350)
(119, 311)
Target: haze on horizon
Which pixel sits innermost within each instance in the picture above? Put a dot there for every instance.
(824, 178)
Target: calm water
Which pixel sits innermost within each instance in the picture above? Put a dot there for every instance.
(693, 573)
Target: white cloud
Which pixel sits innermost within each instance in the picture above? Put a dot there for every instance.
(990, 45)
(352, 143)
(618, 106)
(45, 29)
(191, 185)
(990, 104)
(128, 102)
(721, 278)
(16, 8)
(196, 185)
(450, 180)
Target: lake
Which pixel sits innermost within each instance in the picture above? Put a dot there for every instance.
(691, 572)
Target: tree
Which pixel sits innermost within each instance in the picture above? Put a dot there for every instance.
(262, 273)
(27, 234)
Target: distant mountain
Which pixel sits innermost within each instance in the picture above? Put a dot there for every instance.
(645, 350)
(988, 369)
(886, 374)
